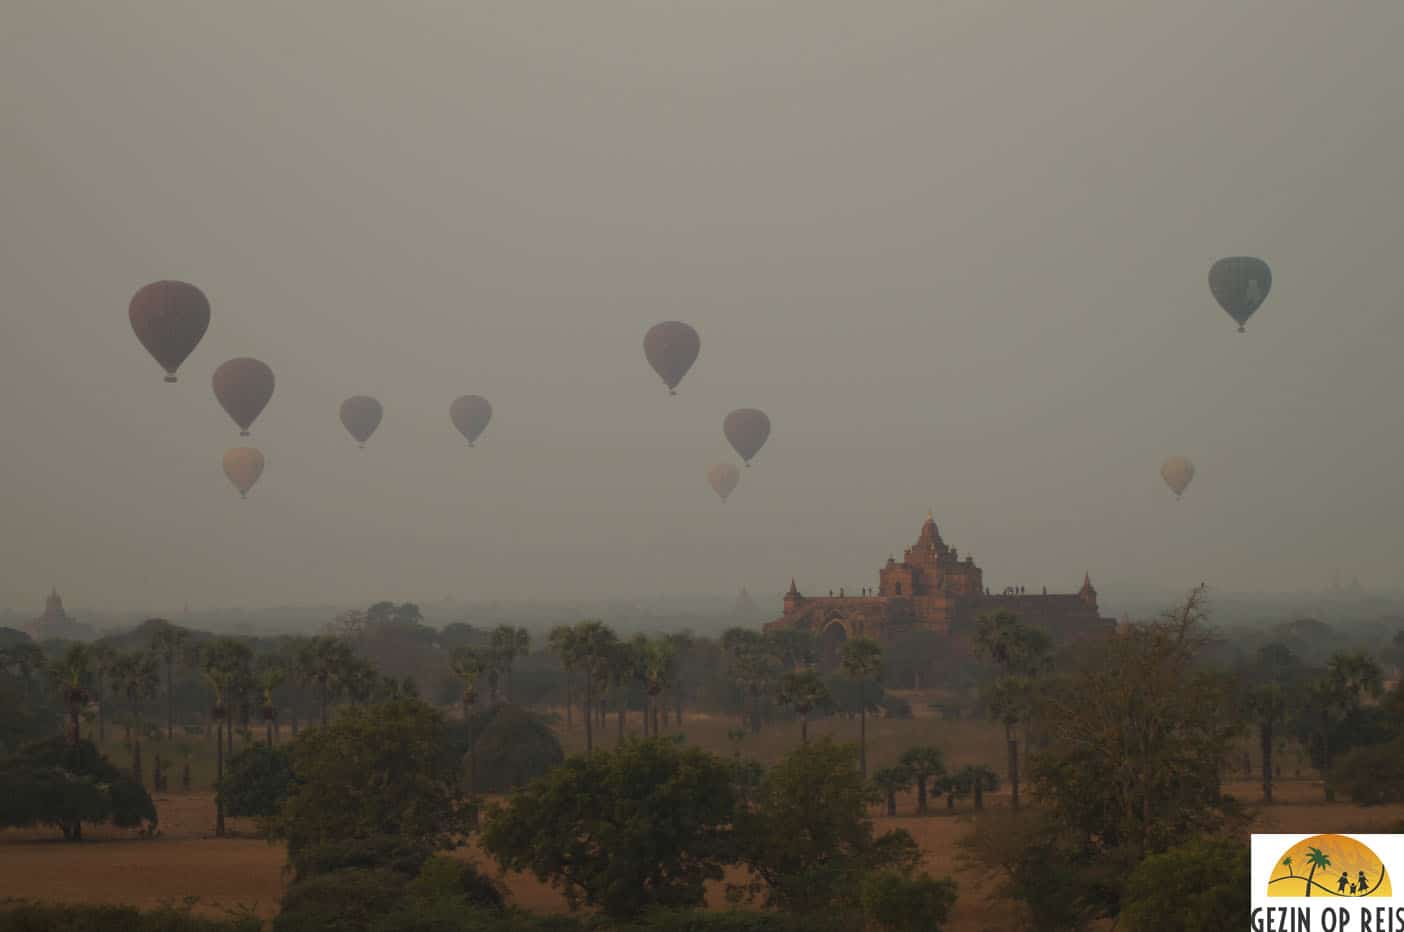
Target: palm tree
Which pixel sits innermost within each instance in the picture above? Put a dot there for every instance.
(104, 659)
(136, 679)
(169, 643)
(593, 649)
(271, 673)
(1267, 706)
(561, 641)
(976, 779)
(804, 691)
(1019, 653)
(659, 660)
(1316, 859)
(923, 763)
(681, 644)
(1287, 863)
(72, 672)
(25, 659)
(327, 664)
(891, 781)
(509, 643)
(861, 660)
(218, 678)
(467, 664)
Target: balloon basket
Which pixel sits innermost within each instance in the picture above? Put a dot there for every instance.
(170, 378)
(243, 433)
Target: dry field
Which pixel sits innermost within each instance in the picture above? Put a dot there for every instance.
(245, 872)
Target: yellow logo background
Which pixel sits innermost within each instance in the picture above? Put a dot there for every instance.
(1323, 858)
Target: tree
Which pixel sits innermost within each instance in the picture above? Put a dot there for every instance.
(65, 784)
(923, 763)
(509, 643)
(270, 671)
(383, 771)
(169, 643)
(26, 659)
(218, 678)
(1020, 654)
(326, 664)
(975, 780)
(233, 660)
(897, 902)
(1316, 858)
(1266, 706)
(1348, 680)
(104, 659)
(660, 667)
(645, 825)
(72, 673)
(804, 691)
(509, 746)
(861, 660)
(1202, 884)
(890, 781)
(754, 665)
(257, 781)
(808, 836)
(592, 651)
(561, 641)
(136, 679)
(1372, 775)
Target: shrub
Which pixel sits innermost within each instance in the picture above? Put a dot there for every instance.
(446, 878)
(256, 781)
(1203, 884)
(389, 852)
(44, 917)
(1372, 775)
(898, 903)
(348, 900)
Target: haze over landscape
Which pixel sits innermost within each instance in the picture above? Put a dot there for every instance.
(957, 251)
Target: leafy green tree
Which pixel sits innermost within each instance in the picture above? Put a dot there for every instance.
(66, 784)
(257, 781)
(1334, 697)
(808, 836)
(377, 771)
(890, 781)
(861, 660)
(804, 691)
(645, 825)
(24, 659)
(1202, 884)
(1372, 775)
(976, 780)
(170, 643)
(897, 902)
(923, 763)
(1020, 654)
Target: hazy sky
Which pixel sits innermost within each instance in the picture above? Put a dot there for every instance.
(957, 250)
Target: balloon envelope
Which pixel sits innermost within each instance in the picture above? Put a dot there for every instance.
(243, 387)
(723, 478)
(671, 348)
(1240, 284)
(1177, 473)
(169, 318)
(470, 415)
(746, 429)
(243, 466)
(360, 415)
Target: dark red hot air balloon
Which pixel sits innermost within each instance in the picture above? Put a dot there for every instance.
(360, 415)
(746, 430)
(671, 348)
(169, 318)
(470, 415)
(243, 387)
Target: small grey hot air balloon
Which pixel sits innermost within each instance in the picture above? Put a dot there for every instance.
(169, 318)
(723, 478)
(360, 415)
(243, 466)
(243, 387)
(671, 348)
(1177, 473)
(1240, 284)
(746, 430)
(470, 415)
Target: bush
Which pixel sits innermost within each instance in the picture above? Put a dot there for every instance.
(1372, 775)
(512, 745)
(1203, 884)
(58, 783)
(389, 852)
(898, 903)
(256, 781)
(443, 878)
(37, 917)
(348, 900)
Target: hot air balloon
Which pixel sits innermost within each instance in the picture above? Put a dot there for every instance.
(746, 429)
(361, 414)
(470, 415)
(671, 348)
(243, 387)
(723, 478)
(1240, 284)
(243, 466)
(1177, 473)
(169, 318)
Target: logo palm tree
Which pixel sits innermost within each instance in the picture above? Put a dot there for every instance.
(1287, 863)
(1316, 858)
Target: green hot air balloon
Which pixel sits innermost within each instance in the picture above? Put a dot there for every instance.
(1240, 284)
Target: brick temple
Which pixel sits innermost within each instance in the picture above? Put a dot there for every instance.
(932, 589)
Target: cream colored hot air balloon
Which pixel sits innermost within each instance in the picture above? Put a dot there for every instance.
(243, 466)
(723, 478)
(1177, 473)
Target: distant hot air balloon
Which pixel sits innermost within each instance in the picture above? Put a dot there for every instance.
(361, 414)
(470, 415)
(723, 478)
(1177, 473)
(169, 319)
(746, 429)
(671, 348)
(243, 466)
(243, 387)
(1240, 284)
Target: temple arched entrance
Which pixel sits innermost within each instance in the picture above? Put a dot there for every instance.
(831, 641)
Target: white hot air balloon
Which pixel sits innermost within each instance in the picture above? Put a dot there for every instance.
(243, 466)
(1177, 473)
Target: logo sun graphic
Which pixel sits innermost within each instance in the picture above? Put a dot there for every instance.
(1331, 866)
